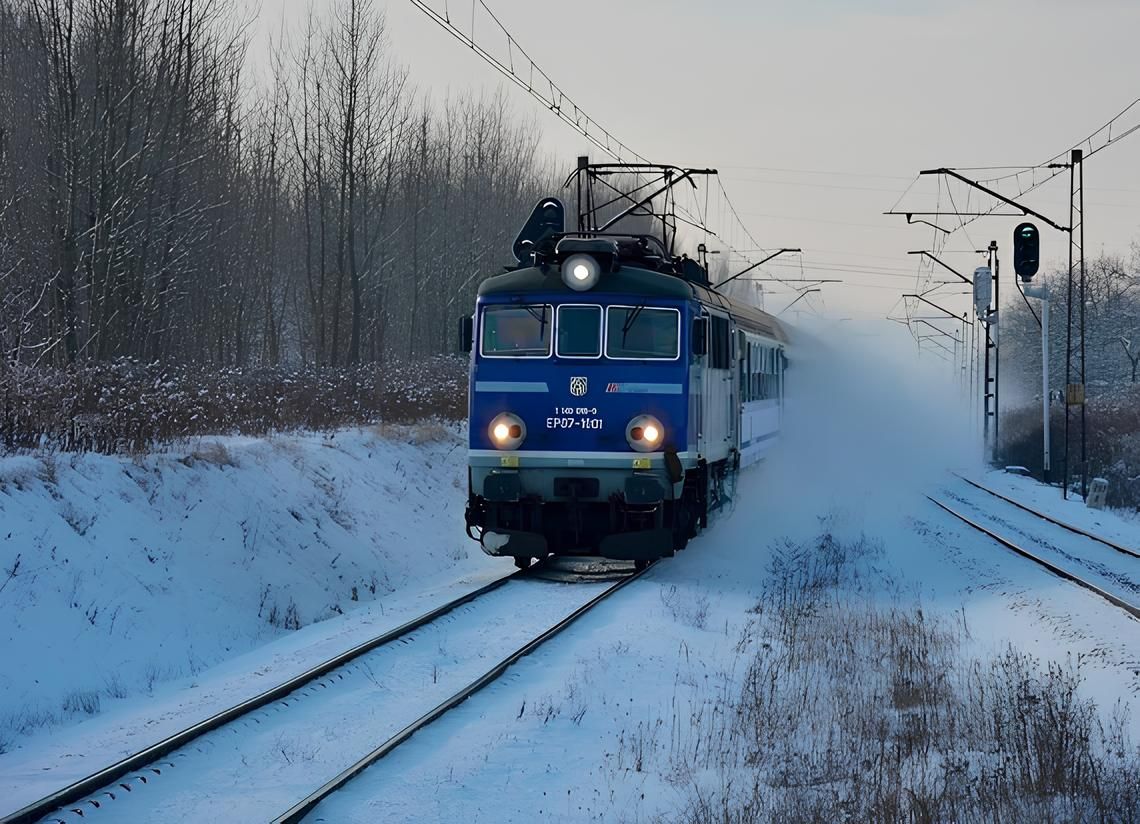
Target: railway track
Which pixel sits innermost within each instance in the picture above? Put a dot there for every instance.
(307, 805)
(1128, 606)
(1064, 525)
(116, 792)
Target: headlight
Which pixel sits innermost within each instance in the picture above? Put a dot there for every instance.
(507, 431)
(645, 433)
(581, 272)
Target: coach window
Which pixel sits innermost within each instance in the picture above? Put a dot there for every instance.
(579, 331)
(641, 333)
(754, 372)
(517, 331)
(746, 373)
(761, 387)
(751, 371)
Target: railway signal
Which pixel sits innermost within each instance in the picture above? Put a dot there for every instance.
(1026, 250)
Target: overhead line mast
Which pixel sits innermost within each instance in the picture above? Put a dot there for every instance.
(1075, 360)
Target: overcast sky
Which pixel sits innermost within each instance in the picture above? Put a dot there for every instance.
(819, 113)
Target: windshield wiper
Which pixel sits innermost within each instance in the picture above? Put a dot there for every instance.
(539, 314)
(630, 319)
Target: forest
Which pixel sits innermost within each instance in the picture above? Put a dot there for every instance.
(160, 205)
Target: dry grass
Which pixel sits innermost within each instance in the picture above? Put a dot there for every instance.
(421, 433)
(212, 453)
(850, 710)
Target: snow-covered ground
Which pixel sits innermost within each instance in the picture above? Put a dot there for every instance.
(631, 716)
(1115, 525)
(124, 577)
(614, 722)
(634, 714)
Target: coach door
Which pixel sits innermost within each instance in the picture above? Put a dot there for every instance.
(719, 421)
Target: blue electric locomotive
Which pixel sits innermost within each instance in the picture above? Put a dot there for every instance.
(613, 396)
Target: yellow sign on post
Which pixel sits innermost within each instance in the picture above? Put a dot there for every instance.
(1075, 394)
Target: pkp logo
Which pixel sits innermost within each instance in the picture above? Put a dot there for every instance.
(577, 387)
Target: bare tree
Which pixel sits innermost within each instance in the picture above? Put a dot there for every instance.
(153, 208)
(1132, 353)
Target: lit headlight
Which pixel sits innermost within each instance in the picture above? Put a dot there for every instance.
(581, 272)
(645, 433)
(507, 431)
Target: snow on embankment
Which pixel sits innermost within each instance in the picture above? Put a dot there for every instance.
(117, 573)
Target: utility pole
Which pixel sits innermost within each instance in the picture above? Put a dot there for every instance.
(983, 297)
(1075, 392)
(1026, 262)
(1042, 292)
(975, 374)
(987, 395)
(995, 337)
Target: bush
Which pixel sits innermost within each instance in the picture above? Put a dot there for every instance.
(130, 407)
(1113, 445)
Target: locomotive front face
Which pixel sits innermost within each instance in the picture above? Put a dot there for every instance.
(579, 421)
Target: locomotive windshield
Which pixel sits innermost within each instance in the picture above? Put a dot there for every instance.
(579, 331)
(517, 331)
(641, 333)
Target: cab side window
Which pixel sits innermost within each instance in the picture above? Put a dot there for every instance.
(720, 343)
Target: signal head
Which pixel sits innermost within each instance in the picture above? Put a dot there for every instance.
(1026, 251)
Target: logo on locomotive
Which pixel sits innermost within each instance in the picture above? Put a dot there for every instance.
(577, 387)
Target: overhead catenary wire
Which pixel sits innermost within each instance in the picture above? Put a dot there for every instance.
(1072, 161)
(552, 96)
(1046, 171)
(1087, 144)
(828, 172)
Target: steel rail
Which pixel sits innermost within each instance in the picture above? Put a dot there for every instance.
(1131, 609)
(107, 776)
(1123, 549)
(305, 806)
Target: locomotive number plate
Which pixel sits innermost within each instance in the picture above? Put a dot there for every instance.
(569, 422)
(574, 417)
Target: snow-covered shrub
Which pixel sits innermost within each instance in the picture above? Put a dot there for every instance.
(212, 453)
(18, 472)
(418, 434)
(285, 617)
(81, 702)
(128, 407)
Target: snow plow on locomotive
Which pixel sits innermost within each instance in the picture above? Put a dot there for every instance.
(613, 396)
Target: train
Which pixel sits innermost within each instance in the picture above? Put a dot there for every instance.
(614, 396)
